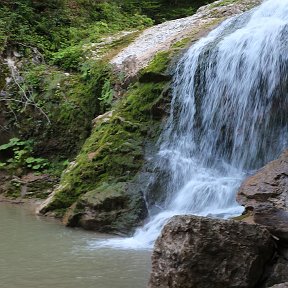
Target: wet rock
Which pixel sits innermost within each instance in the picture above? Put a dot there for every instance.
(265, 196)
(269, 186)
(111, 208)
(202, 253)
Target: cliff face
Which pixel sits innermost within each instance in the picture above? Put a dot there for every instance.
(53, 91)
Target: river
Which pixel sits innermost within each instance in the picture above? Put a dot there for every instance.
(36, 252)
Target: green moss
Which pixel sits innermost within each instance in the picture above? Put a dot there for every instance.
(223, 3)
(114, 151)
(182, 43)
(159, 63)
(228, 2)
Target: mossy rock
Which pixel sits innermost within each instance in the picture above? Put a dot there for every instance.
(30, 186)
(115, 149)
(111, 208)
(100, 179)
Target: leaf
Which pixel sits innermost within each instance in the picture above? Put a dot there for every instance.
(2, 164)
(36, 167)
(30, 160)
(12, 142)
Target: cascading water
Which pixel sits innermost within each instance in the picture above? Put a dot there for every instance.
(229, 116)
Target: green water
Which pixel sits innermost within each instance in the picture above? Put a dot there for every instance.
(40, 253)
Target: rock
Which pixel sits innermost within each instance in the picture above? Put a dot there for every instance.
(162, 37)
(278, 273)
(154, 77)
(275, 220)
(269, 186)
(103, 118)
(4, 181)
(282, 285)
(114, 208)
(265, 196)
(202, 253)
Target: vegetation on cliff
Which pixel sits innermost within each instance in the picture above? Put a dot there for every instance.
(103, 177)
(57, 54)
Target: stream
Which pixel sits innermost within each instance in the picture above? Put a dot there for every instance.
(37, 252)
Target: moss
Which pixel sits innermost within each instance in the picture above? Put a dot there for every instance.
(114, 151)
(159, 63)
(182, 43)
(228, 2)
(223, 3)
(244, 217)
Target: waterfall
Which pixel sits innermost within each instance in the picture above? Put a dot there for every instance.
(228, 117)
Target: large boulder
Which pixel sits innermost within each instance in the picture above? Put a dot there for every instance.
(265, 196)
(202, 253)
(117, 208)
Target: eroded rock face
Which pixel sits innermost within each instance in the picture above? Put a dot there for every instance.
(265, 196)
(202, 253)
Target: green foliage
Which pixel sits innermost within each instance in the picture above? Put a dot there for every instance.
(21, 156)
(59, 28)
(163, 10)
(69, 58)
(36, 163)
(114, 151)
(106, 94)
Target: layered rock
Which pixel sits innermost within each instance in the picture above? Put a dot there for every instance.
(265, 196)
(200, 252)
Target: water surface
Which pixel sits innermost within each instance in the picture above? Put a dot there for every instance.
(39, 253)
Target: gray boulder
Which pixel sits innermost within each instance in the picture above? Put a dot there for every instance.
(197, 252)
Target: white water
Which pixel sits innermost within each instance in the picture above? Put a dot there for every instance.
(228, 116)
